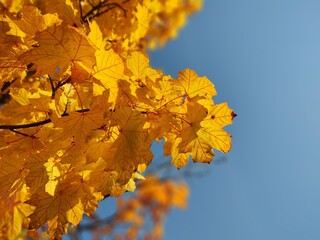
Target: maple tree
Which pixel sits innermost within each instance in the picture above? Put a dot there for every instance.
(81, 106)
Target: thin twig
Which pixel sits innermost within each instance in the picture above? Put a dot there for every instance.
(28, 125)
(23, 134)
(80, 8)
(111, 6)
(96, 11)
(99, 8)
(61, 83)
(40, 123)
(52, 88)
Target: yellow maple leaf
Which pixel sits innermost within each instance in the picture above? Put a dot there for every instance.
(132, 146)
(60, 47)
(10, 49)
(192, 85)
(221, 114)
(102, 179)
(200, 133)
(108, 70)
(66, 10)
(33, 21)
(90, 196)
(138, 63)
(95, 36)
(77, 125)
(26, 107)
(14, 214)
(12, 174)
(72, 196)
(143, 18)
(58, 210)
(37, 176)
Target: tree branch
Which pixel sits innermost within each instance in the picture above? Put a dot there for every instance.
(28, 125)
(80, 9)
(96, 11)
(5, 92)
(61, 83)
(52, 88)
(23, 134)
(36, 124)
(111, 6)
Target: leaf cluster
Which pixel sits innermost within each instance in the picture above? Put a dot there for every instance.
(81, 106)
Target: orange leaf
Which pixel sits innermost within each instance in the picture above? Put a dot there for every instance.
(60, 47)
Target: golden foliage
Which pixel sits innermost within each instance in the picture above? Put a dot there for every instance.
(81, 106)
(152, 201)
(154, 198)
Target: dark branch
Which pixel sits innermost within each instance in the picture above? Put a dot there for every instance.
(60, 84)
(23, 134)
(99, 8)
(110, 7)
(5, 92)
(80, 9)
(52, 88)
(36, 124)
(91, 12)
(102, 8)
(28, 125)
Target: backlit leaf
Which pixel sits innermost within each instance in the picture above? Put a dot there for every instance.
(60, 47)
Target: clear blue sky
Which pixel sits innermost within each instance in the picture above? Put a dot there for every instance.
(264, 59)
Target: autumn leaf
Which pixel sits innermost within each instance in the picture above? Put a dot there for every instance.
(37, 176)
(10, 46)
(77, 125)
(12, 174)
(33, 21)
(138, 64)
(15, 213)
(192, 85)
(200, 133)
(143, 18)
(59, 47)
(58, 210)
(66, 10)
(132, 146)
(66, 204)
(95, 36)
(108, 70)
